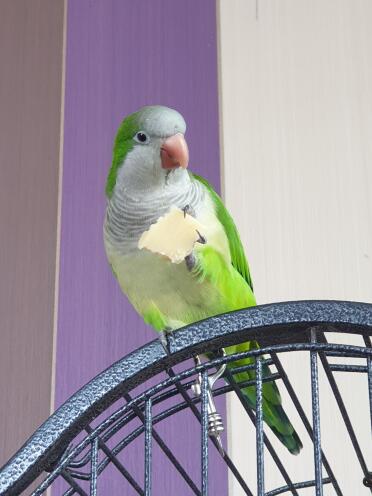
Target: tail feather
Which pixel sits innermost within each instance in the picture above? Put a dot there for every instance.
(273, 412)
(282, 427)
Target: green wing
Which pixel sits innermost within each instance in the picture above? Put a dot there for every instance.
(273, 413)
(238, 259)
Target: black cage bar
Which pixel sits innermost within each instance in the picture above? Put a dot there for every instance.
(67, 445)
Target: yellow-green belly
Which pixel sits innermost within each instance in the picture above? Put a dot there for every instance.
(169, 295)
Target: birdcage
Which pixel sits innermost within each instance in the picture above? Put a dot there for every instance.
(94, 429)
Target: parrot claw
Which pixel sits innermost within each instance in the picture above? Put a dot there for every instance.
(164, 339)
(202, 240)
(191, 258)
(187, 209)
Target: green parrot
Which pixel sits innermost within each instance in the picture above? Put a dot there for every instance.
(149, 176)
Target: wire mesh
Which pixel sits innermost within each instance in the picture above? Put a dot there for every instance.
(88, 443)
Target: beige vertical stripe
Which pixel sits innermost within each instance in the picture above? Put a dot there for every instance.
(59, 209)
(296, 87)
(30, 89)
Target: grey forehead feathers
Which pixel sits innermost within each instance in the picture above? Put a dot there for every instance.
(161, 121)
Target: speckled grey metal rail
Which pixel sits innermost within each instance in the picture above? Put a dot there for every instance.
(291, 326)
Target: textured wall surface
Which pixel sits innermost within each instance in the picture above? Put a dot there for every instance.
(30, 86)
(296, 99)
(122, 55)
(297, 140)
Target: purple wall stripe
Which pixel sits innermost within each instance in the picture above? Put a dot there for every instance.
(122, 55)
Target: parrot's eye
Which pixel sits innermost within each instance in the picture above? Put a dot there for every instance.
(142, 137)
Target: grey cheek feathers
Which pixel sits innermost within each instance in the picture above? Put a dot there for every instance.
(141, 169)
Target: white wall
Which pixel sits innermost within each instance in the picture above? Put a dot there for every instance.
(296, 100)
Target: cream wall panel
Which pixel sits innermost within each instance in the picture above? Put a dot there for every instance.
(296, 104)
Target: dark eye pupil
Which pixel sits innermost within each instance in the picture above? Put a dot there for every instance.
(141, 137)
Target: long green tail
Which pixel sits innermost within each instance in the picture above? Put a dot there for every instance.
(273, 413)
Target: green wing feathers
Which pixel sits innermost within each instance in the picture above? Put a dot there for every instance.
(273, 412)
(233, 289)
(238, 258)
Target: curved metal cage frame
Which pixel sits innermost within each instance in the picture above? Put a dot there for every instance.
(282, 327)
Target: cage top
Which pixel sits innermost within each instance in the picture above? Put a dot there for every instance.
(284, 323)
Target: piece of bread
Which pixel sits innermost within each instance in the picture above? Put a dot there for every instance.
(173, 235)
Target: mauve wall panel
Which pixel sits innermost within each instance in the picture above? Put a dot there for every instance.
(30, 99)
(122, 55)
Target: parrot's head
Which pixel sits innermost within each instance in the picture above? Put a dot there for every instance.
(149, 150)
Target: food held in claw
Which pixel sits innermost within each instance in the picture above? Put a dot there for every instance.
(173, 235)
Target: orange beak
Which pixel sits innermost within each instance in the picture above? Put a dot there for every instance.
(174, 152)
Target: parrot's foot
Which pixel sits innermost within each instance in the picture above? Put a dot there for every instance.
(191, 259)
(187, 209)
(164, 338)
